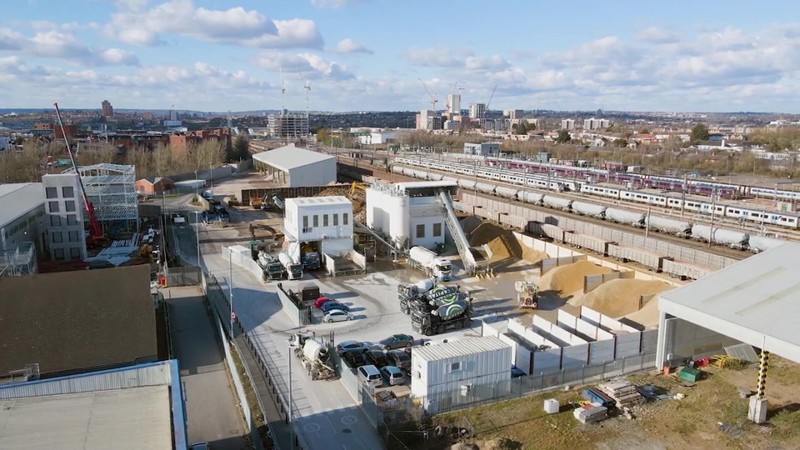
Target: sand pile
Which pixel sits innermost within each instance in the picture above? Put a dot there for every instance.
(358, 200)
(619, 297)
(569, 278)
(648, 315)
(501, 242)
(469, 223)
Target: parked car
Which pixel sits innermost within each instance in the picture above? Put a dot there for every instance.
(321, 301)
(350, 346)
(393, 375)
(327, 306)
(516, 372)
(354, 360)
(337, 315)
(370, 375)
(397, 341)
(376, 357)
(399, 358)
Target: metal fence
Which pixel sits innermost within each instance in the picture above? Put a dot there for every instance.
(183, 276)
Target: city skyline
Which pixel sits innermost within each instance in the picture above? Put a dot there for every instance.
(370, 55)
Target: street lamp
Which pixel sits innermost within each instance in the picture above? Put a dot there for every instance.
(290, 416)
(197, 234)
(230, 289)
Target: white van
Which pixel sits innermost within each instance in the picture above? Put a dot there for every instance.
(370, 375)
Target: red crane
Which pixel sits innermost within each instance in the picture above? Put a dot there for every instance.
(95, 231)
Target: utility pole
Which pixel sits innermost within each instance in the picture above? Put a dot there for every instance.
(713, 214)
(230, 289)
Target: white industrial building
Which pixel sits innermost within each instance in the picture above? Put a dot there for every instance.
(292, 166)
(323, 224)
(66, 238)
(755, 301)
(409, 213)
(22, 227)
(377, 137)
(441, 373)
(483, 149)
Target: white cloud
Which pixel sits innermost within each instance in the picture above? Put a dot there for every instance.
(350, 46)
(115, 56)
(483, 63)
(334, 3)
(438, 56)
(658, 36)
(10, 40)
(65, 46)
(137, 25)
(308, 65)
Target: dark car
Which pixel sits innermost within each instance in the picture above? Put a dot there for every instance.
(354, 359)
(399, 358)
(376, 357)
(397, 341)
(328, 306)
(350, 346)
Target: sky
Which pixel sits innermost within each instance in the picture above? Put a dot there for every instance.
(385, 55)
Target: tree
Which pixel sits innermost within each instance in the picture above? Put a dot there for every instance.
(699, 133)
(563, 137)
(324, 136)
(621, 143)
(241, 148)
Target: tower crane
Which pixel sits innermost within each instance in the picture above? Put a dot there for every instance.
(434, 100)
(95, 231)
(491, 97)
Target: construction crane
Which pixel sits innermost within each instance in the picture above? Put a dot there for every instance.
(491, 97)
(95, 231)
(434, 100)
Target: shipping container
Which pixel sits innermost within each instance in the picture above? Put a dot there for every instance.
(588, 242)
(625, 254)
(684, 270)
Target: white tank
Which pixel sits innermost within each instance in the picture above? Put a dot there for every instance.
(533, 198)
(399, 218)
(314, 351)
(424, 286)
(397, 169)
(285, 259)
(422, 255)
(506, 192)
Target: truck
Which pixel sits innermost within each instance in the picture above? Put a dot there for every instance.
(451, 315)
(273, 269)
(294, 271)
(409, 293)
(314, 355)
(527, 294)
(429, 262)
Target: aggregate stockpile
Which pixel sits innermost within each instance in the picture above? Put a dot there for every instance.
(617, 298)
(314, 356)
(273, 269)
(294, 271)
(435, 309)
(429, 262)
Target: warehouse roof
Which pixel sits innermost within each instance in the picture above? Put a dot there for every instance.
(17, 199)
(290, 157)
(462, 347)
(756, 301)
(69, 322)
(321, 200)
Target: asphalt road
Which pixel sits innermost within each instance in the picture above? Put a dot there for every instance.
(211, 405)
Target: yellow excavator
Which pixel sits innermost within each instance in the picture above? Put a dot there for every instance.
(355, 185)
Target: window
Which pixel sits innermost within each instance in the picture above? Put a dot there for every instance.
(53, 206)
(316, 220)
(421, 230)
(324, 220)
(437, 229)
(69, 205)
(72, 219)
(344, 219)
(455, 366)
(73, 236)
(74, 253)
(68, 192)
(51, 192)
(335, 220)
(58, 254)
(55, 221)
(57, 237)
(305, 221)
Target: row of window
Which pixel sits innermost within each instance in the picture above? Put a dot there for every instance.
(333, 217)
(66, 192)
(69, 206)
(57, 237)
(56, 221)
(74, 253)
(437, 230)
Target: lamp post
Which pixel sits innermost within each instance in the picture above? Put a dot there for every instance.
(290, 416)
(230, 288)
(197, 234)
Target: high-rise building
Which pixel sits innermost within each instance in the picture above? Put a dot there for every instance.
(173, 115)
(477, 110)
(568, 124)
(453, 105)
(428, 120)
(108, 110)
(288, 125)
(513, 114)
(596, 124)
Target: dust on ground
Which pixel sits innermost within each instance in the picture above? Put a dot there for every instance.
(568, 279)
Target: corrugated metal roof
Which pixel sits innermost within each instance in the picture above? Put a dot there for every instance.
(290, 157)
(756, 300)
(17, 199)
(462, 347)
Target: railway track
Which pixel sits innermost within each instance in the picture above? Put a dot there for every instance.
(376, 171)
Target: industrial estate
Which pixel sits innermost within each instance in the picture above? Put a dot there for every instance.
(363, 290)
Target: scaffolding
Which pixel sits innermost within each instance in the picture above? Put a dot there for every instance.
(19, 261)
(288, 125)
(111, 189)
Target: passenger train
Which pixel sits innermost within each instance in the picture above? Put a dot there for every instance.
(552, 182)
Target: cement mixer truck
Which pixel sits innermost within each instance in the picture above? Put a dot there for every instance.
(440, 309)
(408, 294)
(314, 356)
(294, 271)
(429, 262)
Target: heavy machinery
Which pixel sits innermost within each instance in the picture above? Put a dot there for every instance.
(527, 294)
(314, 356)
(429, 262)
(310, 257)
(96, 236)
(256, 202)
(294, 270)
(410, 293)
(435, 309)
(273, 269)
(263, 243)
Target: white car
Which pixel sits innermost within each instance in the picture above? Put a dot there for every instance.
(337, 315)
